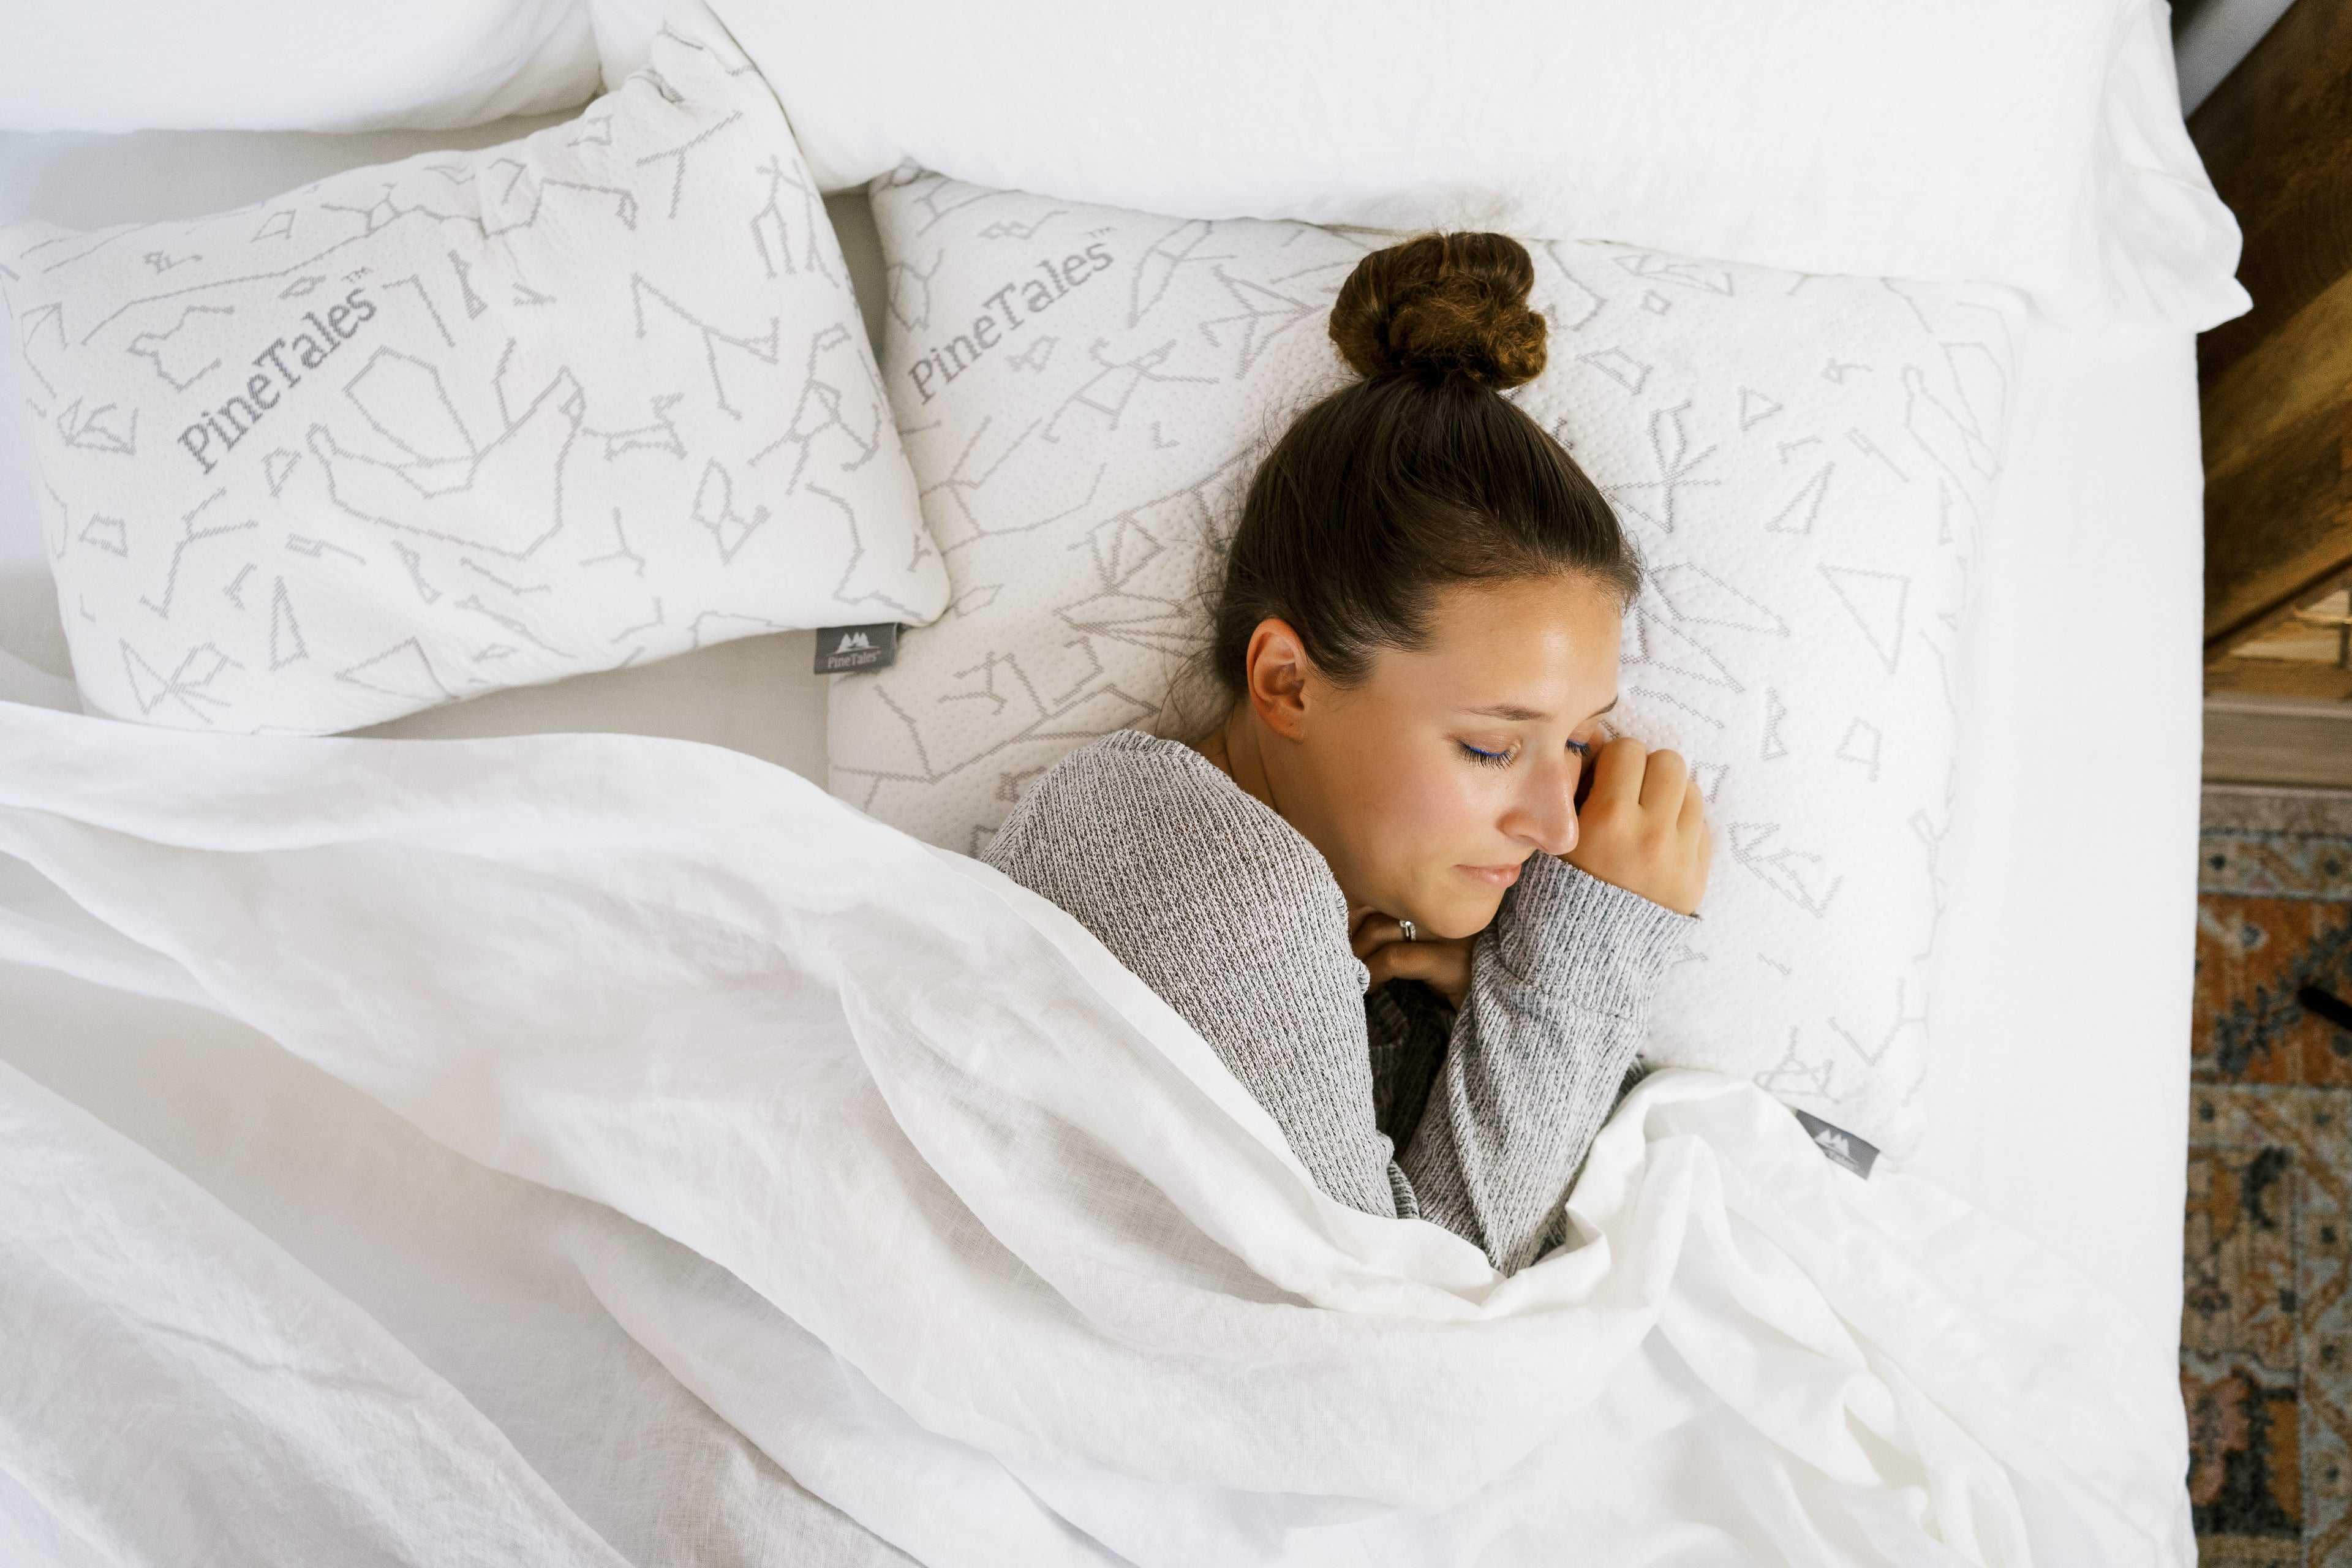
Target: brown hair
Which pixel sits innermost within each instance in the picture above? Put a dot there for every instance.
(1417, 476)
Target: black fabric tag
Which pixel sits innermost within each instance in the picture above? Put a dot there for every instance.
(843, 648)
(1841, 1146)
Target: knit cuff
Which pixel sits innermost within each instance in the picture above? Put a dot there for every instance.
(1408, 1205)
(1564, 929)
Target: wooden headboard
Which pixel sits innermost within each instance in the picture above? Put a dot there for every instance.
(2276, 136)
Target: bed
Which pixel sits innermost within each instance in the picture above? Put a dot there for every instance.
(2058, 1097)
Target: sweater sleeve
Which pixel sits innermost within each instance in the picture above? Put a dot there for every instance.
(1232, 918)
(1558, 1000)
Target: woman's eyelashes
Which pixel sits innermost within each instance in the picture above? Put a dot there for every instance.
(1501, 757)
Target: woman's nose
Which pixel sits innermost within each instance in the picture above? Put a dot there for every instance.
(1546, 817)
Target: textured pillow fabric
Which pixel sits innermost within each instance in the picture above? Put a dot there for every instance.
(2030, 143)
(466, 421)
(1803, 462)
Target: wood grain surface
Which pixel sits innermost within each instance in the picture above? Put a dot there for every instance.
(2276, 136)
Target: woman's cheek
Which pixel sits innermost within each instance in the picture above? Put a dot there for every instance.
(1440, 805)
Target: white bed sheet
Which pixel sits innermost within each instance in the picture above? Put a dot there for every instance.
(2059, 1099)
(2060, 1085)
(1013, 1258)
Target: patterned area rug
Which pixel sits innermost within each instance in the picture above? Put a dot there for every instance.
(2266, 1325)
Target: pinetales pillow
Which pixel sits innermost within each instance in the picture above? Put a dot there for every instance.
(466, 421)
(1802, 461)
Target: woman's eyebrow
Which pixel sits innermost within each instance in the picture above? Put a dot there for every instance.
(1513, 713)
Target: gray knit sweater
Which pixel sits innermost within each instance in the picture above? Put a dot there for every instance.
(1396, 1103)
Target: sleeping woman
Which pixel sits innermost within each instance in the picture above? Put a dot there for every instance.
(1405, 888)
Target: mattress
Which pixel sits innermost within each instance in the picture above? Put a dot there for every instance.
(2058, 1095)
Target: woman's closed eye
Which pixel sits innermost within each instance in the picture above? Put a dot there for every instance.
(1501, 757)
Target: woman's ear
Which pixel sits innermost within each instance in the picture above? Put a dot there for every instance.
(1277, 670)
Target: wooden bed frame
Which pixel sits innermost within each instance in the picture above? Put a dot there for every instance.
(2276, 136)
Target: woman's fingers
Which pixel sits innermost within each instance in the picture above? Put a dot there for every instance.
(1442, 966)
(1617, 770)
(1379, 941)
(1663, 781)
(1644, 827)
(1375, 931)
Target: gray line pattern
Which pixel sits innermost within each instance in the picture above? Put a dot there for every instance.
(1802, 468)
(485, 361)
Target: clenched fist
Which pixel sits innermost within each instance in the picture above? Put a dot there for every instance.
(1642, 826)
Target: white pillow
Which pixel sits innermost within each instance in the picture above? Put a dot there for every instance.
(468, 421)
(290, 64)
(1802, 461)
(2019, 141)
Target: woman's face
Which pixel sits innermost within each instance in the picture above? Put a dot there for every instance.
(1429, 784)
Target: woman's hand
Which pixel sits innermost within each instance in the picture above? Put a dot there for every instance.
(1444, 966)
(1642, 826)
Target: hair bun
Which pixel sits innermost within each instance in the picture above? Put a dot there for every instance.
(1442, 304)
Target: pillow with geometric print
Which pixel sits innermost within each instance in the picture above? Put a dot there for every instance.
(1801, 461)
(469, 421)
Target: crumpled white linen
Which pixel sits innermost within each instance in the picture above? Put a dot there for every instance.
(1019, 1273)
(177, 1389)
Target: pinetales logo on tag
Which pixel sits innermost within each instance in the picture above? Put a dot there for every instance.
(841, 649)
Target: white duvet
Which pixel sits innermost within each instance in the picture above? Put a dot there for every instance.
(994, 1257)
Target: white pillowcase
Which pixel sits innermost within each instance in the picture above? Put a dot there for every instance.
(1803, 461)
(2017, 141)
(290, 64)
(466, 421)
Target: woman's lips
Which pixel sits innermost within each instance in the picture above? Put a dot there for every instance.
(1493, 876)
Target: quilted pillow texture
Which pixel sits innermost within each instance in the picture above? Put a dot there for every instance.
(466, 421)
(1803, 461)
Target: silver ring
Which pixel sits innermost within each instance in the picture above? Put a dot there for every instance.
(1412, 932)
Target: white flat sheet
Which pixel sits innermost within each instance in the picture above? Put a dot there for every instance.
(938, 1132)
(2060, 1094)
(2060, 1086)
